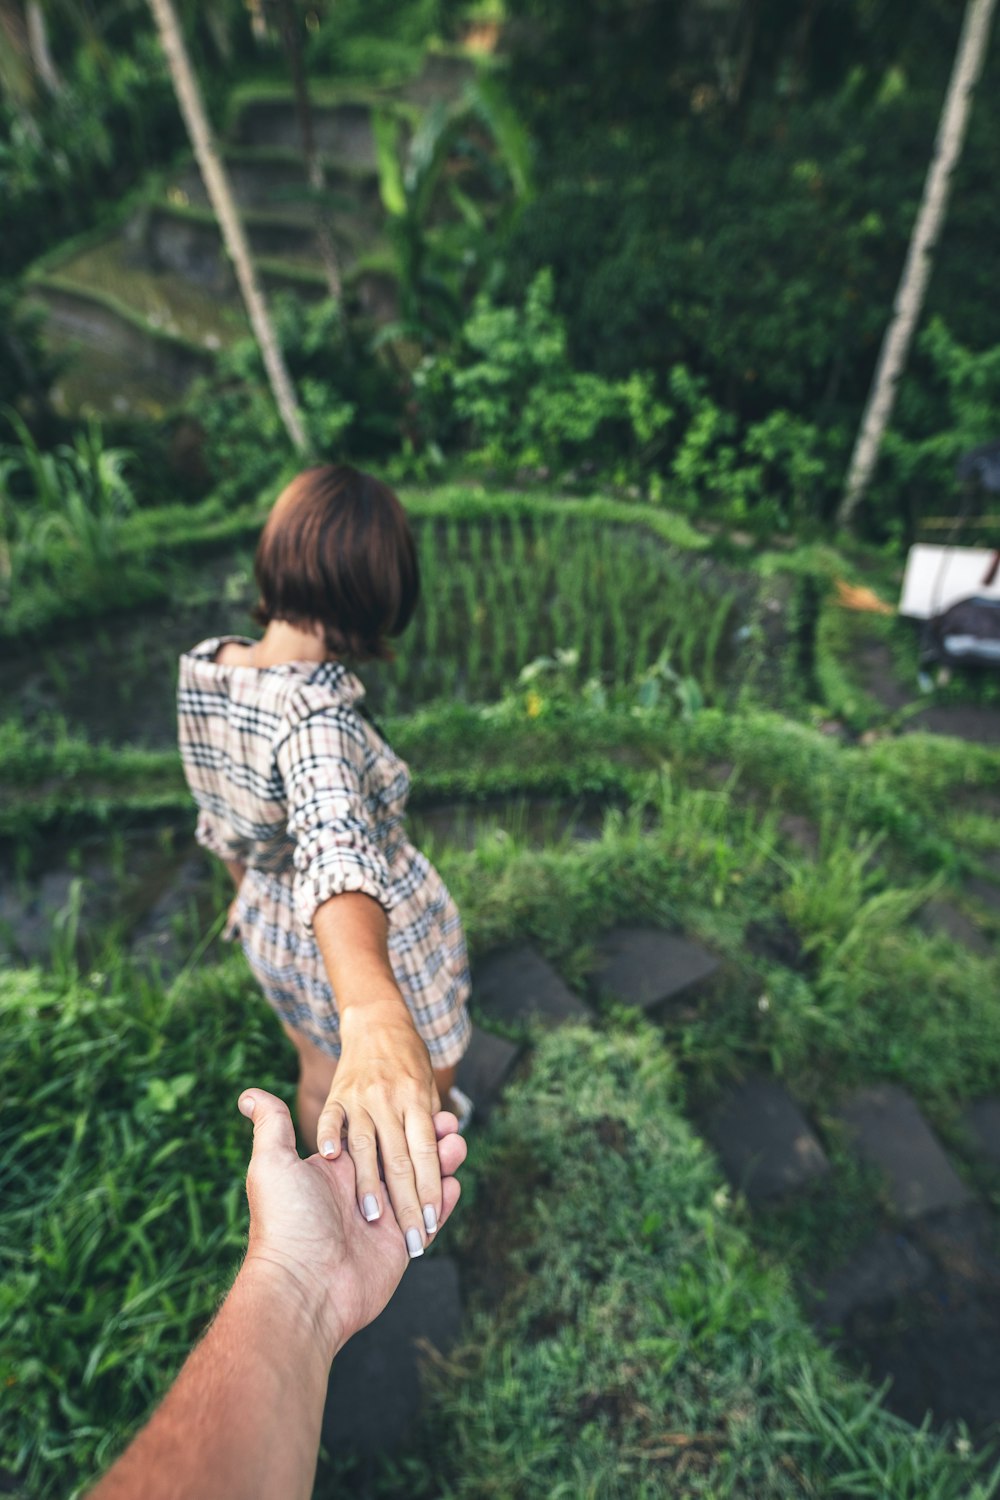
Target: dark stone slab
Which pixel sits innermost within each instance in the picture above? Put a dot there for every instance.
(939, 916)
(966, 721)
(483, 1070)
(937, 1345)
(982, 1120)
(877, 668)
(765, 1143)
(888, 1268)
(986, 892)
(889, 1131)
(645, 966)
(374, 1393)
(516, 986)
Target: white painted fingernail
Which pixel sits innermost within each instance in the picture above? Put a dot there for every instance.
(414, 1243)
(369, 1207)
(430, 1218)
(327, 1148)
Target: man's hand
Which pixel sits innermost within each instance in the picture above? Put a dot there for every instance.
(384, 1098)
(308, 1231)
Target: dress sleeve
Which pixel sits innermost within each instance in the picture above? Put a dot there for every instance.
(321, 761)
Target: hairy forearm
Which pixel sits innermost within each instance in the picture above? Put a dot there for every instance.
(242, 1421)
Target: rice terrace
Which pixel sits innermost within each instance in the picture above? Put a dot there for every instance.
(664, 338)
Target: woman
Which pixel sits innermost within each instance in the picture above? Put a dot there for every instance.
(349, 930)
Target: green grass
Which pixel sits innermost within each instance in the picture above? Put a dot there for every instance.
(627, 1340)
(121, 1164)
(620, 1315)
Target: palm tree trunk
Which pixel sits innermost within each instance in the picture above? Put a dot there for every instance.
(919, 260)
(38, 38)
(314, 165)
(224, 207)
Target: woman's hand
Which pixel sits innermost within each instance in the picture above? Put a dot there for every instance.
(304, 1223)
(383, 1098)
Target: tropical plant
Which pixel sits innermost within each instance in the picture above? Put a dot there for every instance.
(436, 255)
(73, 499)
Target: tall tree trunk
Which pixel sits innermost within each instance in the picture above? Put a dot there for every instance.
(314, 165)
(919, 260)
(224, 206)
(41, 53)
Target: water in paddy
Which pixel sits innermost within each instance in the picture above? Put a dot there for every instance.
(494, 598)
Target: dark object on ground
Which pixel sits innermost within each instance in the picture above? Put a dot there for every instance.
(375, 1388)
(889, 1131)
(968, 631)
(645, 966)
(764, 1140)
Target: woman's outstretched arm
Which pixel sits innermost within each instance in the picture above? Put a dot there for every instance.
(383, 1094)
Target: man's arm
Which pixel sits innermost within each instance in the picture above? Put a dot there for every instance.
(242, 1421)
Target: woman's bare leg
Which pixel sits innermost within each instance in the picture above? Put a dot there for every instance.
(316, 1070)
(444, 1078)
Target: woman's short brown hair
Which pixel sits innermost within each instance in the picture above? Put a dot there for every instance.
(337, 549)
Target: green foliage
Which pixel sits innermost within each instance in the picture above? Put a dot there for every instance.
(373, 39)
(948, 404)
(350, 401)
(634, 1325)
(525, 405)
(62, 161)
(69, 504)
(526, 408)
(124, 1215)
(447, 198)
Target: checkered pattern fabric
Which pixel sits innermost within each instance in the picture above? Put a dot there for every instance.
(294, 782)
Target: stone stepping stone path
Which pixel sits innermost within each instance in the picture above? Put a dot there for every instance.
(374, 1394)
(766, 1145)
(646, 967)
(484, 1070)
(889, 1132)
(889, 1267)
(516, 987)
(982, 1122)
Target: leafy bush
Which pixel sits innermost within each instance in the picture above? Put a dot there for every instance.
(76, 497)
(949, 402)
(523, 406)
(350, 400)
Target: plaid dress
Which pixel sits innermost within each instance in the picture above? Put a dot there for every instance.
(292, 780)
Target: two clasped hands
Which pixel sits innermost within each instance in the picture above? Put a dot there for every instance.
(243, 1417)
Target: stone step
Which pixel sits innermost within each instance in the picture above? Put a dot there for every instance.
(889, 1267)
(936, 1342)
(374, 1394)
(646, 966)
(982, 1120)
(516, 987)
(888, 1130)
(484, 1069)
(765, 1143)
